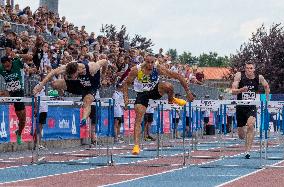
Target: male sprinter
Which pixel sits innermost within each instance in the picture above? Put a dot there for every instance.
(12, 72)
(78, 79)
(147, 86)
(245, 86)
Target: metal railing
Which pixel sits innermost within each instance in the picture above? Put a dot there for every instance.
(106, 92)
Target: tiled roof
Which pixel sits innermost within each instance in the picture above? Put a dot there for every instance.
(216, 73)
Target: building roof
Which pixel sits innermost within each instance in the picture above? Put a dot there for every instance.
(215, 73)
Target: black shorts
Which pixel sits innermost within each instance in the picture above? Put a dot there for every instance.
(120, 119)
(18, 106)
(93, 114)
(75, 87)
(187, 121)
(42, 117)
(143, 97)
(148, 117)
(206, 119)
(230, 119)
(243, 113)
(175, 120)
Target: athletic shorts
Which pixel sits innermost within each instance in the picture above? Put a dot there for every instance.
(206, 119)
(143, 97)
(187, 121)
(243, 112)
(148, 117)
(175, 120)
(230, 119)
(42, 117)
(75, 87)
(18, 106)
(120, 119)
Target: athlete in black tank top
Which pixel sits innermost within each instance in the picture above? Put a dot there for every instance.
(83, 79)
(252, 86)
(246, 86)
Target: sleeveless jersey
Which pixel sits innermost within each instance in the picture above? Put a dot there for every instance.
(14, 78)
(146, 82)
(88, 81)
(253, 87)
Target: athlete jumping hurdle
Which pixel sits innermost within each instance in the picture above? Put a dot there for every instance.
(147, 86)
(79, 79)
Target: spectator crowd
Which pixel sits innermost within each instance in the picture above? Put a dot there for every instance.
(40, 55)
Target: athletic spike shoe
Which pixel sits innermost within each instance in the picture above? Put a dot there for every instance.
(247, 156)
(149, 138)
(83, 123)
(136, 150)
(178, 101)
(19, 137)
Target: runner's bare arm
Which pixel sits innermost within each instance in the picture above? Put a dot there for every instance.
(127, 82)
(48, 77)
(235, 85)
(96, 66)
(171, 74)
(265, 85)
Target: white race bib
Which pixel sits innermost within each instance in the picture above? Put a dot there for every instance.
(248, 95)
(13, 86)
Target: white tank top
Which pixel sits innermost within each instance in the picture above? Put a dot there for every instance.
(144, 82)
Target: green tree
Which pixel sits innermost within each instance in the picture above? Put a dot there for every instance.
(141, 42)
(266, 50)
(187, 58)
(213, 60)
(173, 53)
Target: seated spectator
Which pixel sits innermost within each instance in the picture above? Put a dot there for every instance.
(199, 76)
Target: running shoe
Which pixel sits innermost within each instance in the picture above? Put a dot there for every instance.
(41, 147)
(149, 138)
(247, 156)
(178, 101)
(19, 137)
(136, 150)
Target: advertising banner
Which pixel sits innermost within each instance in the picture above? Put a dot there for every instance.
(62, 123)
(4, 127)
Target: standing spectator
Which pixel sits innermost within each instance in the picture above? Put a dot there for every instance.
(45, 66)
(43, 109)
(92, 39)
(199, 76)
(118, 113)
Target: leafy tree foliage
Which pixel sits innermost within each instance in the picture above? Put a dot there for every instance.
(141, 42)
(213, 60)
(122, 36)
(266, 50)
(173, 53)
(187, 58)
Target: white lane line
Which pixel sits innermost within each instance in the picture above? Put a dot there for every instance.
(103, 167)
(169, 171)
(223, 184)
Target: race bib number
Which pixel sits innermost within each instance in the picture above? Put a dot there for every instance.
(148, 86)
(248, 95)
(13, 86)
(85, 83)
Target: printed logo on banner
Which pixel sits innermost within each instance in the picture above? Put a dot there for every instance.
(103, 123)
(4, 128)
(13, 124)
(51, 123)
(62, 123)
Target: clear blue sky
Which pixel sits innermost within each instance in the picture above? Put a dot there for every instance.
(194, 26)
